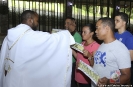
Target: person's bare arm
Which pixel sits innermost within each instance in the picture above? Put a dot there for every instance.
(124, 78)
(74, 53)
(131, 54)
(91, 59)
(125, 75)
(89, 56)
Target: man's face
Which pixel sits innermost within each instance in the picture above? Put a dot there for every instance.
(67, 23)
(119, 23)
(70, 25)
(35, 22)
(101, 30)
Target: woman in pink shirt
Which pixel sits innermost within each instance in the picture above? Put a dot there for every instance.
(90, 47)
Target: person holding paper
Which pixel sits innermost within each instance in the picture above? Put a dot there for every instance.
(111, 56)
(34, 58)
(90, 47)
(70, 24)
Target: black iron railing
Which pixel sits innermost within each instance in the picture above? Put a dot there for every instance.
(52, 13)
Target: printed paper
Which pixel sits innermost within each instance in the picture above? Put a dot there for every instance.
(89, 71)
(78, 47)
(115, 76)
(56, 30)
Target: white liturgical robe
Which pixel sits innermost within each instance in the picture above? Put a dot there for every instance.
(36, 58)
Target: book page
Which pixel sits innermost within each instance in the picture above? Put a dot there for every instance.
(78, 47)
(55, 30)
(88, 71)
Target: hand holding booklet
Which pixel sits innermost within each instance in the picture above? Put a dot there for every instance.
(56, 30)
(89, 71)
(78, 47)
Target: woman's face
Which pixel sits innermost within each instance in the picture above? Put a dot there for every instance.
(86, 34)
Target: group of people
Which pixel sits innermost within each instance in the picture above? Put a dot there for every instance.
(32, 58)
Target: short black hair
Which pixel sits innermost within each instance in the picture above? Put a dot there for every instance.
(27, 14)
(91, 27)
(72, 19)
(123, 16)
(108, 22)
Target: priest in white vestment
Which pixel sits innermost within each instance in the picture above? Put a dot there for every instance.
(35, 59)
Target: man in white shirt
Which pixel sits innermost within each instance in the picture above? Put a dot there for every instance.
(34, 58)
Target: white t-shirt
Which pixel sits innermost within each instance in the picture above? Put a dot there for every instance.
(110, 57)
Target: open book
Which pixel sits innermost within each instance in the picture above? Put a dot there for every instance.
(56, 30)
(78, 47)
(88, 71)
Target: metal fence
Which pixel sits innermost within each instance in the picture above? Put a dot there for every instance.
(52, 13)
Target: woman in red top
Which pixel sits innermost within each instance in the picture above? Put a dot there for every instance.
(90, 47)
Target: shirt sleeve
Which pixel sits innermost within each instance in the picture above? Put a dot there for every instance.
(78, 38)
(123, 58)
(129, 43)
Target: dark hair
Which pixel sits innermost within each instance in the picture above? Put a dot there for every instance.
(91, 27)
(108, 22)
(123, 16)
(72, 19)
(27, 14)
